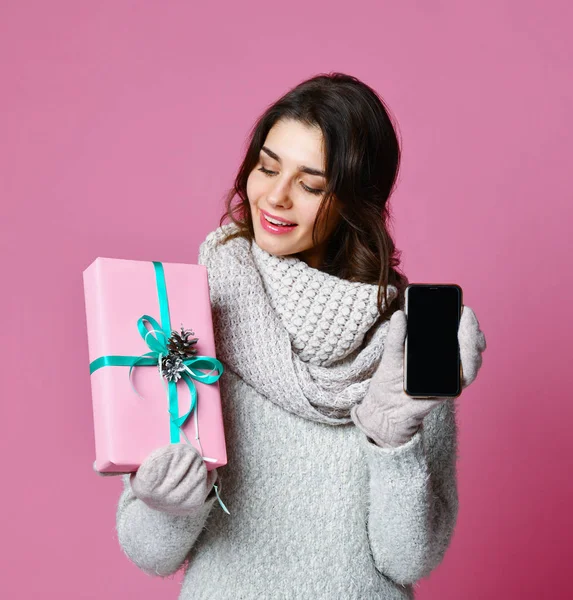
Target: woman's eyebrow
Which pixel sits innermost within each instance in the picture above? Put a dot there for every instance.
(302, 168)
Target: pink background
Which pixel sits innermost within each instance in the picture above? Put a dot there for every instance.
(122, 125)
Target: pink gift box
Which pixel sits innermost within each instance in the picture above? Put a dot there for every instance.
(128, 427)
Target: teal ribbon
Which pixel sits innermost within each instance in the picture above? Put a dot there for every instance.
(158, 349)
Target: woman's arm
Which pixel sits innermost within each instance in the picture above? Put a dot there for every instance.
(157, 542)
(413, 497)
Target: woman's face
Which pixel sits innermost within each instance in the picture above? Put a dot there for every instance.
(282, 187)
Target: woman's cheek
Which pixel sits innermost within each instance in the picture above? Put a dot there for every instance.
(309, 214)
(250, 191)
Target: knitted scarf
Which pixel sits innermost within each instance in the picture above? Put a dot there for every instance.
(304, 339)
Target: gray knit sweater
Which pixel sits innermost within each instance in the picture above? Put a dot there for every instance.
(317, 510)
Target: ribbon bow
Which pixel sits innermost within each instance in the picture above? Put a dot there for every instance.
(159, 350)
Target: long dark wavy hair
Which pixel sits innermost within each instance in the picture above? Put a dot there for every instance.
(362, 161)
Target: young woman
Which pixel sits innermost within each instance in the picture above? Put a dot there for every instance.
(338, 485)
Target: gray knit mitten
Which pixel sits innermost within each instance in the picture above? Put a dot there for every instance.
(387, 414)
(173, 479)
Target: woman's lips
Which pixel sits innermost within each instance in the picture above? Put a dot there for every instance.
(272, 228)
(281, 219)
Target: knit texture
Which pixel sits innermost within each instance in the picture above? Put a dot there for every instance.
(326, 317)
(316, 509)
(300, 344)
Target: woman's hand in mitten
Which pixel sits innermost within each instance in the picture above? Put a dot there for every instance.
(387, 414)
(173, 479)
(472, 344)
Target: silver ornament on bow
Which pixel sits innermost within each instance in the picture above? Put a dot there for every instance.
(171, 367)
(180, 346)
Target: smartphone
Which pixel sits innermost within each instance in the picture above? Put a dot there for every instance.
(432, 365)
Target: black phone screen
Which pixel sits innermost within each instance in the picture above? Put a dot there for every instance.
(432, 354)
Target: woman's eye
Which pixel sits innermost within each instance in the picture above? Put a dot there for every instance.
(312, 190)
(266, 171)
(308, 189)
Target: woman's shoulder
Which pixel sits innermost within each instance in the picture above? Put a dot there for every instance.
(212, 246)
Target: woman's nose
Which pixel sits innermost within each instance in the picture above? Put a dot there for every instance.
(279, 195)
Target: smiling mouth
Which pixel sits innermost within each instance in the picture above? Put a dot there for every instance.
(273, 228)
(276, 222)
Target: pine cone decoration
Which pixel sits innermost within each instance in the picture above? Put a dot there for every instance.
(171, 367)
(180, 344)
